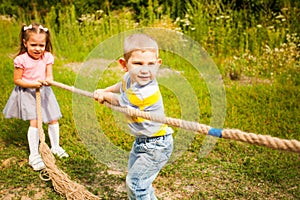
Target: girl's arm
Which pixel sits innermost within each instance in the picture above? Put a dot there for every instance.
(18, 72)
(49, 73)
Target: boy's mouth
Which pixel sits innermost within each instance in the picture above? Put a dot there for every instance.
(144, 77)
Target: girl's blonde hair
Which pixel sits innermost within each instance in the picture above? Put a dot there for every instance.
(33, 28)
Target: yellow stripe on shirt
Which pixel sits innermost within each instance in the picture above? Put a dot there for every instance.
(162, 131)
(143, 103)
(136, 119)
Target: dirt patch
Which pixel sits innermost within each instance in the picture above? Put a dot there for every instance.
(31, 192)
(89, 65)
(246, 80)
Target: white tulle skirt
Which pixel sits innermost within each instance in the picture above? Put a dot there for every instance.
(22, 104)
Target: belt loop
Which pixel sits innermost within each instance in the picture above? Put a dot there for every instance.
(151, 139)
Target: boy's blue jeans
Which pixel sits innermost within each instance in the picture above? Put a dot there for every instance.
(147, 157)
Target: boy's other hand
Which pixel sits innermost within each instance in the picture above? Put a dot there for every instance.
(99, 95)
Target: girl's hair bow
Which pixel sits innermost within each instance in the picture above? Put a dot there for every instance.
(30, 27)
(27, 27)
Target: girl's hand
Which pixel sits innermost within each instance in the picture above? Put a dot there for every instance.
(46, 81)
(43, 82)
(37, 84)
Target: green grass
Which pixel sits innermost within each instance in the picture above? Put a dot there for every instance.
(255, 102)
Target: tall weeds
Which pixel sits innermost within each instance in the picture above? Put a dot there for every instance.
(242, 42)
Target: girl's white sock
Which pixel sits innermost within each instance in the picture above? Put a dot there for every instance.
(53, 131)
(33, 141)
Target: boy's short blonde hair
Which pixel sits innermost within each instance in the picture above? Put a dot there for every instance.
(140, 42)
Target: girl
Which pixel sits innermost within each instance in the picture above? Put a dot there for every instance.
(32, 69)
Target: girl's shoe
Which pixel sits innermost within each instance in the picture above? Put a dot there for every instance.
(36, 162)
(60, 152)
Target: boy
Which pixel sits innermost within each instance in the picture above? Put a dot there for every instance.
(139, 90)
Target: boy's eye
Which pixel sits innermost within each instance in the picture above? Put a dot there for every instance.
(141, 63)
(137, 63)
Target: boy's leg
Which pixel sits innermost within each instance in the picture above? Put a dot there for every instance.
(152, 194)
(145, 162)
(53, 131)
(35, 159)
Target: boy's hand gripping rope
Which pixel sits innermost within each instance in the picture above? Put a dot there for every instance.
(234, 134)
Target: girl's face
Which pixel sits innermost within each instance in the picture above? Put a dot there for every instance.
(35, 45)
(142, 66)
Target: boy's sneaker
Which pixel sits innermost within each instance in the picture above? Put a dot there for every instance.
(60, 152)
(36, 162)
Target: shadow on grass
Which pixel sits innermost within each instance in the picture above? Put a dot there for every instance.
(14, 132)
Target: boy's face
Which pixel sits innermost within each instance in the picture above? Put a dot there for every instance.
(142, 66)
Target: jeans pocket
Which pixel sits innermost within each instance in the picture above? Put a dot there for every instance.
(144, 147)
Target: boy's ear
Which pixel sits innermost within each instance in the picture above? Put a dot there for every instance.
(159, 61)
(123, 63)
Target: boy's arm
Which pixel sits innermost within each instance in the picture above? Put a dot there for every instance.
(111, 98)
(114, 88)
(108, 94)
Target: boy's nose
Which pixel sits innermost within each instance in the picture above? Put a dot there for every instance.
(144, 70)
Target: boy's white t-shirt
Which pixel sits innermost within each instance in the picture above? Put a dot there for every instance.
(145, 98)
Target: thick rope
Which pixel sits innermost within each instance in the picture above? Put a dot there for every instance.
(60, 180)
(234, 134)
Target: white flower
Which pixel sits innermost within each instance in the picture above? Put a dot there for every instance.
(279, 17)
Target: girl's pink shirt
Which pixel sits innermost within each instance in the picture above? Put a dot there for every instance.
(33, 69)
